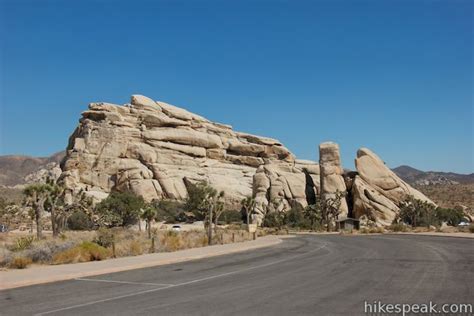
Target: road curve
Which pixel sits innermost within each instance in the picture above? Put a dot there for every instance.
(305, 275)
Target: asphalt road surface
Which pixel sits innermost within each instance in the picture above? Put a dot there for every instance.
(305, 275)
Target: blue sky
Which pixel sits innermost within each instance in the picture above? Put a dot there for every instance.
(394, 76)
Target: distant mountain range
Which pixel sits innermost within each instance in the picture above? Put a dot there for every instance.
(418, 177)
(17, 170)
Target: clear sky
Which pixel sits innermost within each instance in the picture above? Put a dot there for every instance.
(394, 76)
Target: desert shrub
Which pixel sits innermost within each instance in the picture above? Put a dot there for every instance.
(104, 237)
(296, 219)
(119, 209)
(364, 230)
(44, 252)
(171, 241)
(169, 211)
(95, 251)
(20, 263)
(87, 251)
(376, 230)
(451, 216)
(5, 257)
(22, 243)
(72, 255)
(471, 228)
(371, 230)
(79, 221)
(398, 227)
(135, 248)
(274, 219)
(230, 216)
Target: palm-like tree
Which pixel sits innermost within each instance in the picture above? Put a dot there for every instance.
(148, 214)
(35, 196)
(248, 204)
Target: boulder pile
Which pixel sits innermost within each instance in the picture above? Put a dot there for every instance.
(157, 150)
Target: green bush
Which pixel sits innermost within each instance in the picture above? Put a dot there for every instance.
(119, 209)
(79, 221)
(451, 216)
(296, 219)
(168, 210)
(272, 220)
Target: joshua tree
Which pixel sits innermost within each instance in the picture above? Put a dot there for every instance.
(278, 214)
(325, 210)
(218, 208)
(54, 204)
(416, 212)
(35, 196)
(313, 213)
(248, 204)
(148, 213)
(331, 208)
(213, 203)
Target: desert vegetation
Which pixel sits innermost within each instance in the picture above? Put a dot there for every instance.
(320, 216)
(450, 195)
(80, 231)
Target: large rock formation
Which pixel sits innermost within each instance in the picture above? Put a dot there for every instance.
(283, 186)
(332, 180)
(157, 150)
(377, 191)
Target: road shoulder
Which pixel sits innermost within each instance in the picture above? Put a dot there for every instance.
(41, 274)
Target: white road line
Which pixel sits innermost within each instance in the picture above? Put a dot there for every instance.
(122, 282)
(179, 284)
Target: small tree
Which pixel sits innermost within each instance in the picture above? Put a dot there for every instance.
(35, 197)
(54, 203)
(450, 216)
(206, 203)
(276, 216)
(416, 212)
(218, 207)
(313, 213)
(248, 205)
(119, 209)
(148, 213)
(331, 208)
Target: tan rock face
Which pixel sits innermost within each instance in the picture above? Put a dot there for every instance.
(331, 174)
(378, 191)
(155, 149)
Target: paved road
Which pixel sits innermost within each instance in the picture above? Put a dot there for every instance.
(305, 275)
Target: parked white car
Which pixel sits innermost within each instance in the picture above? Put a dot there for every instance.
(176, 228)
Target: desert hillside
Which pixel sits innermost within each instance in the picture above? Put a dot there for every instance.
(450, 195)
(15, 168)
(420, 178)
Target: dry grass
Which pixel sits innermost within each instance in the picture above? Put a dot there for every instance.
(20, 263)
(82, 246)
(87, 251)
(372, 230)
